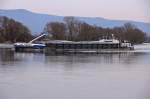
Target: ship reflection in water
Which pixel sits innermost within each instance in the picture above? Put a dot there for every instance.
(81, 76)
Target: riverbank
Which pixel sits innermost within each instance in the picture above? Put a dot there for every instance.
(7, 46)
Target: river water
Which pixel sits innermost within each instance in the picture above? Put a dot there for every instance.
(88, 76)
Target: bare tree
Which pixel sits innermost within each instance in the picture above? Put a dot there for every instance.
(73, 26)
(57, 30)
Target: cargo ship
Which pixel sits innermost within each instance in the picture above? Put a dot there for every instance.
(104, 45)
(63, 46)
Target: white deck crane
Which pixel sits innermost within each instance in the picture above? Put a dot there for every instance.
(37, 38)
(31, 44)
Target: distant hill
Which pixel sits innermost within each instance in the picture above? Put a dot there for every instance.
(36, 21)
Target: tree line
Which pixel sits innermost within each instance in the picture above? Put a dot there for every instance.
(12, 31)
(75, 30)
(70, 29)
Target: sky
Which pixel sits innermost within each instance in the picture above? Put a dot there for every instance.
(137, 10)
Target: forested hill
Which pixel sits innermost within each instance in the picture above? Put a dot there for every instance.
(36, 22)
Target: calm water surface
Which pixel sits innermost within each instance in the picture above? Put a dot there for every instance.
(103, 76)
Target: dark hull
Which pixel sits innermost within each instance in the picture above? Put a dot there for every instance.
(86, 48)
(74, 48)
(28, 49)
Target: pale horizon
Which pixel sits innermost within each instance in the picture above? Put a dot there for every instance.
(135, 10)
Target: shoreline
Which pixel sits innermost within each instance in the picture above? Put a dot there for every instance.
(6, 46)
